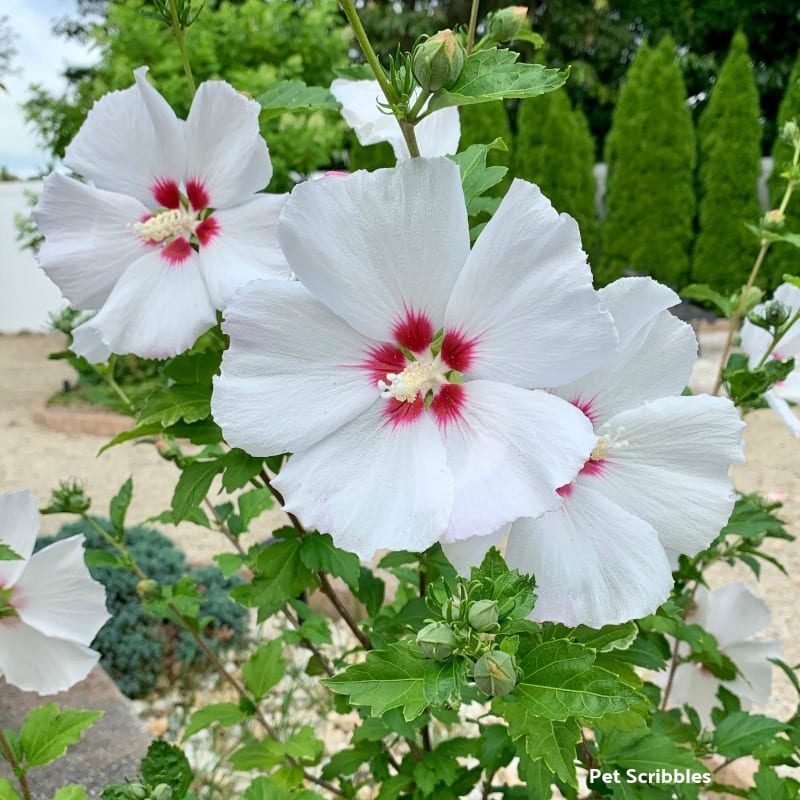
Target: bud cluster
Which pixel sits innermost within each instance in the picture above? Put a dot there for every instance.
(468, 627)
(771, 317)
(138, 791)
(68, 498)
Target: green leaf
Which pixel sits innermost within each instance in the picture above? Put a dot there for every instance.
(391, 678)
(739, 733)
(165, 763)
(476, 177)
(303, 746)
(193, 486)
(70, 792)
(493, 75)
(194, 367)
(512, 591)
(224, 714)
(320, 554)
(645, 751)
(251, 504)
(745, 386)
(294, 95)
(103, 558)
(229, 563)
(559, 680)
(48, 731)
(705, 294)
(240, 467)
(187, 402)
(264, 669)
(371, 590)
(8, 554)
(351, 759)
(7, 790)
(118, 507)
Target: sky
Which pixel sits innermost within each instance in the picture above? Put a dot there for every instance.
(40, 58)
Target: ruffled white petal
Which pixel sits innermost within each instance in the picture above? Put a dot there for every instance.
(376, 246)
(57, 596)
(19, 527)
(752, 658)
(467, 553)
(361, 112)
(245, 247)
(289, 377)
(525, 297)
(732, 613)
(372, 486)
(655, 356)
(509, 452)
(438, 134)
(89, 238)
(130, 141)
(34, 662)
(226, 153)
(670, 467)
(86, 342)
(594, 563)
(784, 411)
(156, 310)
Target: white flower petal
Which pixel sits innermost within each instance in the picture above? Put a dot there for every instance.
(386, 246)
(655, 357)
(752, 659)
(694, 686)
(58, 597)
(784, 411)
(361, 112)
(130, 142)
(755, 341)
(34, 662)
(373, 485)
(467, 553)
(89, 238)
(86, 342)
(244, 248)
(673, 471)
(226, 155)
(525, 298)
(594, 563)
(156, 310)
(509, 451)
(732, 613)
(438, 134)
(285, 383)
(19, 527)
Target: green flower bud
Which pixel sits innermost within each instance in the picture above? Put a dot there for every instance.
(483, 615)
(506, 23)
(451, 609)
(68, 498)
(148, 589)
(437, 641)
(136, 791)
(437, 62)
(791, 132)
(495, 673)
(776, 313)
(162, 792)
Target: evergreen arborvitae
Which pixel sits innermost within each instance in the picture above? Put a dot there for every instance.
(784, 258)
(554, 149)
(729, 162)
(369, 157)
(482, 123)
(650, 151)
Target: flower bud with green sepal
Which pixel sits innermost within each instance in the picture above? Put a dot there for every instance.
(505, 24)
(438, 62)
(437, 641)
(148, 590)
(483, 615)
(776, 313)
(68, 498)
(790, 133)
(162, 792)
(495, 673)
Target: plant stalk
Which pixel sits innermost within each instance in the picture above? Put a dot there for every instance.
(5, 747)
(180, 37)
(473, 25)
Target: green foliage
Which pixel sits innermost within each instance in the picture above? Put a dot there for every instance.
(136, 647)
(746, 386)
(729, 163)
(251, 44)
(482, 124)
(650, 153)
(782, 258)
(48, 731)
(166, 764)
(369, 157)
(554, 149)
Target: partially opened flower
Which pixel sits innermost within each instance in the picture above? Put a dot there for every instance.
(398, 369)
(168, 224)
(50, 608)
(437, 134)
(656, 482)
(756, 342)
(733, 614)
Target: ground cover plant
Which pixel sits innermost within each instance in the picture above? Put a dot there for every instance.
(497, 460)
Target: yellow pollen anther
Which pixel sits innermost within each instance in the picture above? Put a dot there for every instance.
(171, 223)
(600, 450)
(418, 376)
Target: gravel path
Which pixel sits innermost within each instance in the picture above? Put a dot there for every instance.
(36, 458)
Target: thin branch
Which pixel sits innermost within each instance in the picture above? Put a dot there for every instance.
(15, 766)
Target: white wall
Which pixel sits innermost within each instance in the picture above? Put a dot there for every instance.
(27, 295)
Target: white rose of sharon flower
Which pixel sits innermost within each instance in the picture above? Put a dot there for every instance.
(756, 341)
(50, 607)
(437, 134)
(656, 482)
(398, 370)
(733, 614)
(169, 222)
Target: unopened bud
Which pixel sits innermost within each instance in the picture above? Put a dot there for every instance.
(437, 62)
(774, 218)
(437, 641)
(451, 609)
(162, 792)
(776, 313)
(506, 23)
(791, 132)
(68, 498)
(148, 589)
(136, 791)
(483, 615)
(495, 673)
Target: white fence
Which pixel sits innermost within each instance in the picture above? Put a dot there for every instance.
(27, 295)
